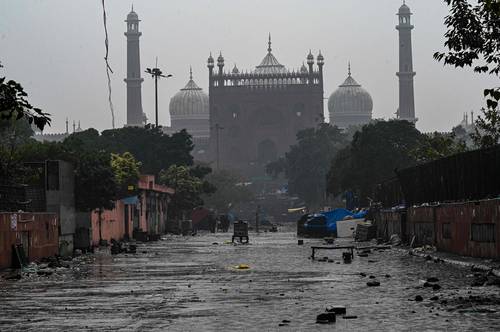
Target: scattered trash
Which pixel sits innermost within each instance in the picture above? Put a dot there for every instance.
(395, 240)
(326, 318)
(242, 267)
(337, 309)
(347, 257)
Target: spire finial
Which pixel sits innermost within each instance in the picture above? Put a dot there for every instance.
(349, 68)
(269, 49)
(132, 6)
(190, 73)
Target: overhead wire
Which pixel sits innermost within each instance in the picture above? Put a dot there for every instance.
(109, 71)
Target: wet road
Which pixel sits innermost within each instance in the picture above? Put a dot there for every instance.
(190, 284)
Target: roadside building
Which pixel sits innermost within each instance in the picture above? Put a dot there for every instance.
(141, 217)
(27, 235)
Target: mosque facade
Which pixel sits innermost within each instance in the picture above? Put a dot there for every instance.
(255, 115)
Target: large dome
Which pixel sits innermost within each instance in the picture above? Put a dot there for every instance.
(350, 104)
(189, 103)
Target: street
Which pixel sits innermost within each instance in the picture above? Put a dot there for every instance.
(192, 284)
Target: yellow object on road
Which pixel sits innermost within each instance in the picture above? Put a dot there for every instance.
(242, 267)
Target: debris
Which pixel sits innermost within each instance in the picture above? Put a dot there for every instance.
(347, 257)
(326, 318)
(350, 317)
(337, 309)
(242, 267)
(432, 279)
(395, 240)
(300, 242)
(436, 287)
(373, 283)
(419, 298)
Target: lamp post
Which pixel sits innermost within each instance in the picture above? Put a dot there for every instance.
(156, 73)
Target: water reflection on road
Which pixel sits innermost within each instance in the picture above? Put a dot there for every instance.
(190, 284)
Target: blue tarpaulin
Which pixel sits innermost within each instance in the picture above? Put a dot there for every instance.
(333, 216)
(339, 214)
(132, 200)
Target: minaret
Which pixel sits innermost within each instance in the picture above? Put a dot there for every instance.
(133, 80)
(406, 109)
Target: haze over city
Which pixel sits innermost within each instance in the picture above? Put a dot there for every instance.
(56, 49)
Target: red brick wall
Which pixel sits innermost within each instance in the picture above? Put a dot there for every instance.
(41, 230)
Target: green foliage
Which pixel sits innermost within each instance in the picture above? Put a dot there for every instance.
(15, 106)
(188, 189)
(473, 35)
(230, 191)
(473, 40)
(126, 170)
(437, 145)
(487, 129)
(95, 184)
(306, 164)
(13, 134)
(149, 145)
(373, 155)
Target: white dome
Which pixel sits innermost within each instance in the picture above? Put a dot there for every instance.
(189, 103)
(350, 104)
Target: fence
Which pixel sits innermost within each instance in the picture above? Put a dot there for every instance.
(466, 228)
(467, 176)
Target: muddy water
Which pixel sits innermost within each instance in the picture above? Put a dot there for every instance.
(190, 284)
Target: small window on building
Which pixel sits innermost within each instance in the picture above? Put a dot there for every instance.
(446, 231)
(483, 232)
(299, 114)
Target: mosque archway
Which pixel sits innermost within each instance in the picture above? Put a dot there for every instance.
(266, 151)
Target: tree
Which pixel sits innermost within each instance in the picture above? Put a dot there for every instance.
(188, 189)
(306, 164)
(487, 129)
(95, 184)
(473, 40)
(13, 135)
(149, 145)
(437, 145)
(15, 106)
(126, 170)
(229, 192)
(373, 155)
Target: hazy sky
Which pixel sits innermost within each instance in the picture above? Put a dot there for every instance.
(55, 48)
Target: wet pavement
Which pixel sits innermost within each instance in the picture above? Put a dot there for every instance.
(191, 284)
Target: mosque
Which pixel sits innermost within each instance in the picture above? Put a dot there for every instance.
(249, 118)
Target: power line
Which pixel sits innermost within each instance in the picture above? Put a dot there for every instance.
(109, 71)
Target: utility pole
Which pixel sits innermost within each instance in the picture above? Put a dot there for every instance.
(156, 73)
(217, 129)
(257, 216)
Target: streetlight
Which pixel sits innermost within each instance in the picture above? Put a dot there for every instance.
(155, 73)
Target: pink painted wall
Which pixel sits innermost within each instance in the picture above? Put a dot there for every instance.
(112, 223)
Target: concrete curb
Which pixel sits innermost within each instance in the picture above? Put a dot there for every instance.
(457, 262)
